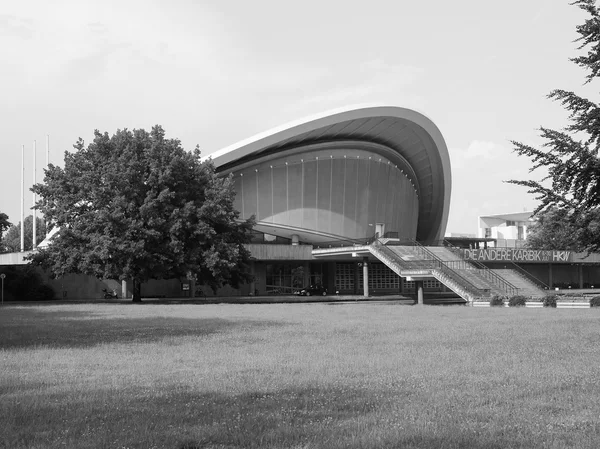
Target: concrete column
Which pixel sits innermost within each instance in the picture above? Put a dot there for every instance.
(306, 267)
(124, 289)
(365, 267)
(295, 239)
(192, 288)
(252, 282)
(419, 288)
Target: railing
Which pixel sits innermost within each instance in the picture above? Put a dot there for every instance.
(429, 261)
(495, 278)
(452, 274)
(340, 243)
(281, 290)
(529, 276)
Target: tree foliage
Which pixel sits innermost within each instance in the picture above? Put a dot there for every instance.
(137, 206)
(571, 156)
(12, 239)
(4, 226)
(553, 230)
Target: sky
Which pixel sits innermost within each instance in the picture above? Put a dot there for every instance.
(215, 72)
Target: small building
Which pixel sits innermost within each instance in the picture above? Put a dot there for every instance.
(507, 230)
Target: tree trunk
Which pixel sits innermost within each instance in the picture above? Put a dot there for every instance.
(137, 291)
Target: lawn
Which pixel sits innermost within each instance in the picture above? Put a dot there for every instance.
(298, 376)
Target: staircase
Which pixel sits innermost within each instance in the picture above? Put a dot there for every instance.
(506, 282)
(525, 286)
(419, 261)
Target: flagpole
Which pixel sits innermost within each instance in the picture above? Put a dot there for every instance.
(47, 165)
(34, 237)
(22, 198)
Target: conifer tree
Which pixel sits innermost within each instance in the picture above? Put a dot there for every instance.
(571, 155)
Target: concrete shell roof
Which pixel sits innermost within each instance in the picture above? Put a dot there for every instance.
(410, 135)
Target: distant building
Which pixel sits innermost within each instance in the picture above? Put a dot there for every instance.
(508, 230)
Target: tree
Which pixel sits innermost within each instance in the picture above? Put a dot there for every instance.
(571, 156)
(12, 239)
(4, 225)
(137, 206)
(552, 230)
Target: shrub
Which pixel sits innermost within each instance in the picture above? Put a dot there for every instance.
(550, 301)
(497, 300)
(24, 283)
(517, 300)
(595, 301)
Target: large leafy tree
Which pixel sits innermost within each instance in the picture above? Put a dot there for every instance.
(571, 155)
(137, 206)
(4, 225)
(12, 239)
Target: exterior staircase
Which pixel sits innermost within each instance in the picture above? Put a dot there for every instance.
(470, 280)
(524, 286)
(419, 261)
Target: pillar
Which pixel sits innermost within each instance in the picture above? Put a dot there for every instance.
(306, 269)
(419, 288)
(295, 239)
(124, 289)
(365, 267)
(580, 271)
(252, 282)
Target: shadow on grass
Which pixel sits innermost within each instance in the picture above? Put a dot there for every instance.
(27, 328)
(296, 418)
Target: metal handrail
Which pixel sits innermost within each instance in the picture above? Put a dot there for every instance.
(436, 264)
(496, 279)
(448, 270)
(531, 277)
(345, 242)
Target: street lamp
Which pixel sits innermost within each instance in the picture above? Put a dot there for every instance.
(2, 276)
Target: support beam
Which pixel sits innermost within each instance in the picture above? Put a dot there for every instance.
(252, 282)
(419, 288)
(365, 267)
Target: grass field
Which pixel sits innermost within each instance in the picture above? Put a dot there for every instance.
(298, 376)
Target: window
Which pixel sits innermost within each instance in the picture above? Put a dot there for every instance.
(488, 233)
(510, 223)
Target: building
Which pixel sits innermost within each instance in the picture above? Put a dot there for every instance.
(338, 179)
(357, 201)
(508, 230)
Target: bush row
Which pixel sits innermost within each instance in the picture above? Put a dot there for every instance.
(549, 301)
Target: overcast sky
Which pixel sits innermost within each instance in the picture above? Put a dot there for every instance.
(214, 72)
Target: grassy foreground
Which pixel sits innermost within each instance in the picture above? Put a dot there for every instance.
(298, 376)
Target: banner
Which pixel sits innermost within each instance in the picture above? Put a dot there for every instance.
(517, 255)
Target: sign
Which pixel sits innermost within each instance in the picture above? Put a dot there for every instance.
(185, 287)
(517, 255)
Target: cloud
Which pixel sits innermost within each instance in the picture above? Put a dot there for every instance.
(14, 26)
(369, 81)
(479, 172)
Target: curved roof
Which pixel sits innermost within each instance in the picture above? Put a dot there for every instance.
(413, 137)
